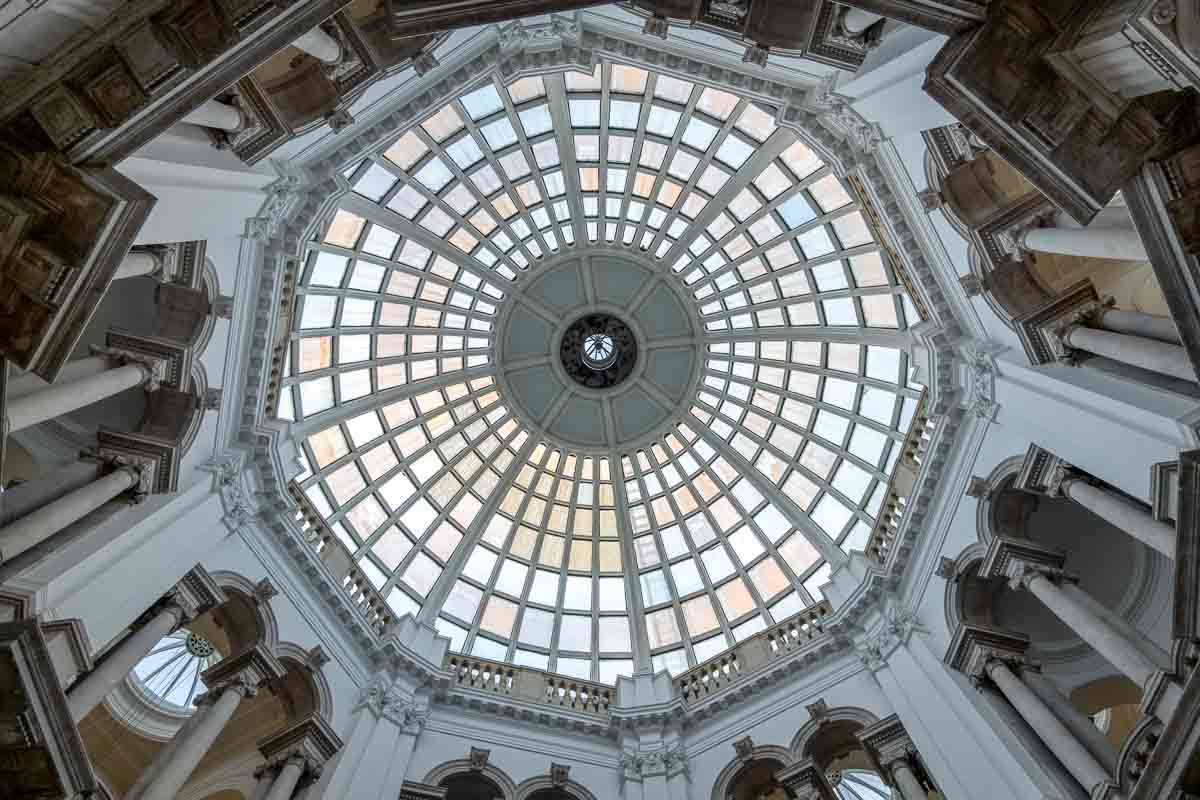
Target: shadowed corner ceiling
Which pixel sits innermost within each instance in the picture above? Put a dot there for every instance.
(537, 520)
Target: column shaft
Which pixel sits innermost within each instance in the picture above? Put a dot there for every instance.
(910, 788)
(266, 779)
(196, 742)
(319, 44)
(285, 783)
(1122, 244)
(32, 495)
(1135, 323)
(1132, 519)
(137, 263)
(1073, 755)
(1064, 603)
(95, 686)
(39, 525)
(215, 114)
(1150, 354)
(75, 370)
(1073, 719)
(63, 398)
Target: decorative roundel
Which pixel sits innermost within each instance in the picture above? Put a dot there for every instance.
(198, 646)
(598, 351)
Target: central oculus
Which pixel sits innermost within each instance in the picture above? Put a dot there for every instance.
(598, 351)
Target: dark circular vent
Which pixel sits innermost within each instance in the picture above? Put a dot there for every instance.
(598, 351)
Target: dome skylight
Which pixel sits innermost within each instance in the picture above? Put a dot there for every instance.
(170, 673)
(582, 527)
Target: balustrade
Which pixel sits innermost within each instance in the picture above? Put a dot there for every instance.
(525, 683)
(903, 483)
(777, 641)
(340, 561)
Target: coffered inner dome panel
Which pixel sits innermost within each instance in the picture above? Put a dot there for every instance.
(544, 368)
(596, 370)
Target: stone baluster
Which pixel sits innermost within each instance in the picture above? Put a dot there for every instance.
(231, 680)
(193, 595)
(126, 370)
(118, 477)
(991, 657)
(1038, 570)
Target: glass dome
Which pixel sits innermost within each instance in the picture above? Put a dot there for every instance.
(170, 673)
(659, 518)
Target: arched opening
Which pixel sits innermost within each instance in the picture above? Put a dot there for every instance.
(757, 781)
(470, 786)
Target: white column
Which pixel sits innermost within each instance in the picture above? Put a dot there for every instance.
(63, 398)
(137, 263)
(1122, 244)
(319, 44)
(194, 744)
(1135, 323)
(1068, 606)
(1073, 755)
(1149, 354)
(32, 495)
(37, 526)
(23, 384)
(215, 114)
(287, 779)
(91, 691)
(910, 788)
(1073, 719)
(264, 778)
(1132, 519)
(856, 20)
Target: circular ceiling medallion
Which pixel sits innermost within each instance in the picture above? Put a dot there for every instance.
(598, 351)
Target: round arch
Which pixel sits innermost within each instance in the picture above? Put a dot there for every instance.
(245, 620)
(803, 743)
(306, 689)
(458, 766)
(733, 770)
(531, 786)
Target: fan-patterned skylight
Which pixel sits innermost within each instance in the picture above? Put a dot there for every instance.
(594, 562)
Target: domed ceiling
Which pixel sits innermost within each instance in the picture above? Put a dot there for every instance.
(598, 370)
